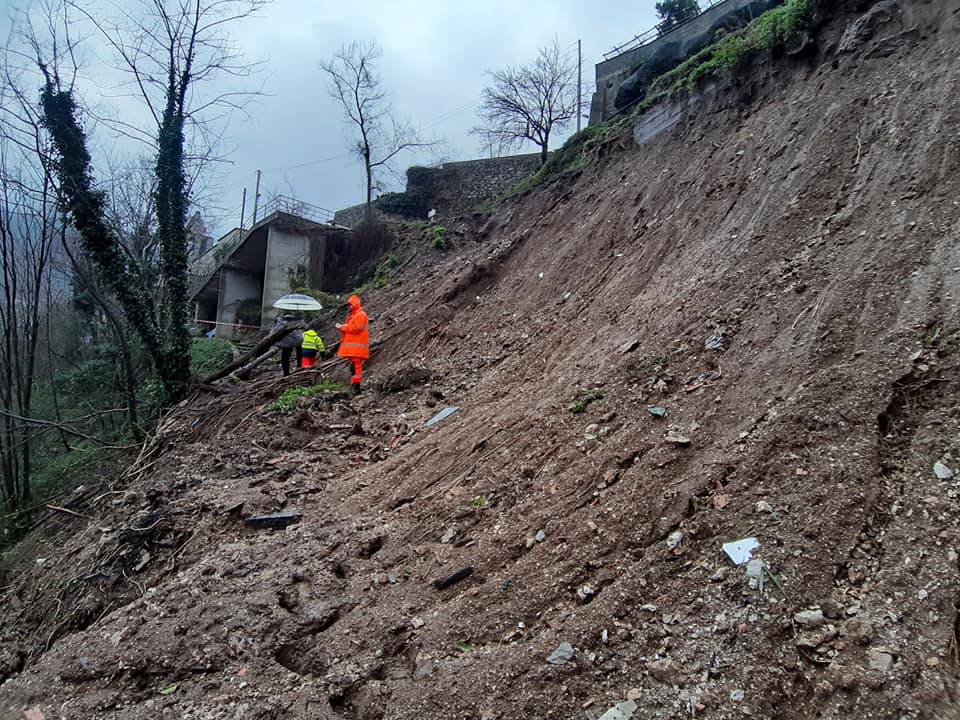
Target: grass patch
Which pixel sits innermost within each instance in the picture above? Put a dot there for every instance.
(291, 396)
(580, 405)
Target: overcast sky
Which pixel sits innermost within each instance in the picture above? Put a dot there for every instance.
(434, 55)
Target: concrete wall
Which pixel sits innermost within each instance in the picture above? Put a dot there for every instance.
(677, 44)
(455, 188)
(286, 249)
(235, 287)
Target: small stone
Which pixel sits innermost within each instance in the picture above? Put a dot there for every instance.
(677, 439)
(764, 507)
(942, 471)
(530, 542)
(922, 595)
(719, 575)
(417, 622)
(831, 609)
(540, 536)
(448, 535)
(674, 539)
(880, 660)
(810, 618)
(634, 694)
(665, 671)
(586, 593)
(932, 661)
(859, 631)
(737, 695)
(423, 668)
(392, 577)
(562, 655)
(130, 497)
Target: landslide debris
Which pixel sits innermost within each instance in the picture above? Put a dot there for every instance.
(779, 275)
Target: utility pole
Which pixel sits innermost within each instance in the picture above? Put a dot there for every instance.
(256, 199)
(579, 85)
(243, 208)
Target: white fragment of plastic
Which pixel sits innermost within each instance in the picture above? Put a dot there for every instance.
(740, 551)
(445, 413)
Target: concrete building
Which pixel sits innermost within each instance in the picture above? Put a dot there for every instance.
(666, 50)
(248, 270)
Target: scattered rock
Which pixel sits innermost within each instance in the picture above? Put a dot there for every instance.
(540, 536)
(274, 521)
(448, 536)
(831, 609)
(562, 655)
(677, 439)
(634, 694)
(424, 668)
(586, 593)
(861, 30)
(858, 631)
(737, 695)
(665, 671)
(657, 411)
(942, 471)
(810, 618)
(620, 711)
(880, 660)
(417, 622)
(764, 507)
(674, 539)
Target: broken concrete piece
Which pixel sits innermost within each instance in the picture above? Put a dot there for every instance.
(676, 439)
(273, 521)
(764, 507)
(620, 711)
(665, 671)
(586, 593)
(448, 535)
(445, 413)
(739, 551)
(562, 655)
(941, 471)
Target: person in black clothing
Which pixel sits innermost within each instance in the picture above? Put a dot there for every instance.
(291, 342)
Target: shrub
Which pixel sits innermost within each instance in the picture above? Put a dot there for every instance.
(438, 237)
(208, 355)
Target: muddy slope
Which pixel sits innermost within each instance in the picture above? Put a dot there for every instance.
(781, 273)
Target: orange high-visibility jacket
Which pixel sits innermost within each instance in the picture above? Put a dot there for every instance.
(355, 342)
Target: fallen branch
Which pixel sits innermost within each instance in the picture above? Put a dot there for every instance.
(268, 342)
(68, 511)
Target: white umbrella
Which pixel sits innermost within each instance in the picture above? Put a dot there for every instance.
(297, 301)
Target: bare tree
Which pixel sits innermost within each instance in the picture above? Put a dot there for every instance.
(381, 136)
(530, 102)
(170, 51)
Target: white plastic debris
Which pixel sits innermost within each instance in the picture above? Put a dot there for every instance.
(620, 711)
(740, 551)
(445, 413)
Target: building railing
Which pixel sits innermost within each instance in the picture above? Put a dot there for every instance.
(656, 32)
(292, 206)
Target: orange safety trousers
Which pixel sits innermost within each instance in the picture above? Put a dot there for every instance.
(357, 370)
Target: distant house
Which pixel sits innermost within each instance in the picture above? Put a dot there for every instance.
(237, 281)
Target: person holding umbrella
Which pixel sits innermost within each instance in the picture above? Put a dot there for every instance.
(355, 340)
(297, 340)
(291, 342)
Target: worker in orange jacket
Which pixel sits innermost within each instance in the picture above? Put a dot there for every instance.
(355, 340)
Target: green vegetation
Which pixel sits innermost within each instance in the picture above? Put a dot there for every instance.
(479, 502)
(463, 646)
(298, 277)
(766, 33)
(580, 405)
(208, 355)
(291, 396)
(438, 237)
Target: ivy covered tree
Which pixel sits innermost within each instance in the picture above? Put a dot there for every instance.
(676, 12)
(168, 51)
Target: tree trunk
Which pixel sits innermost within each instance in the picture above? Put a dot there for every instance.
(543, 152)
